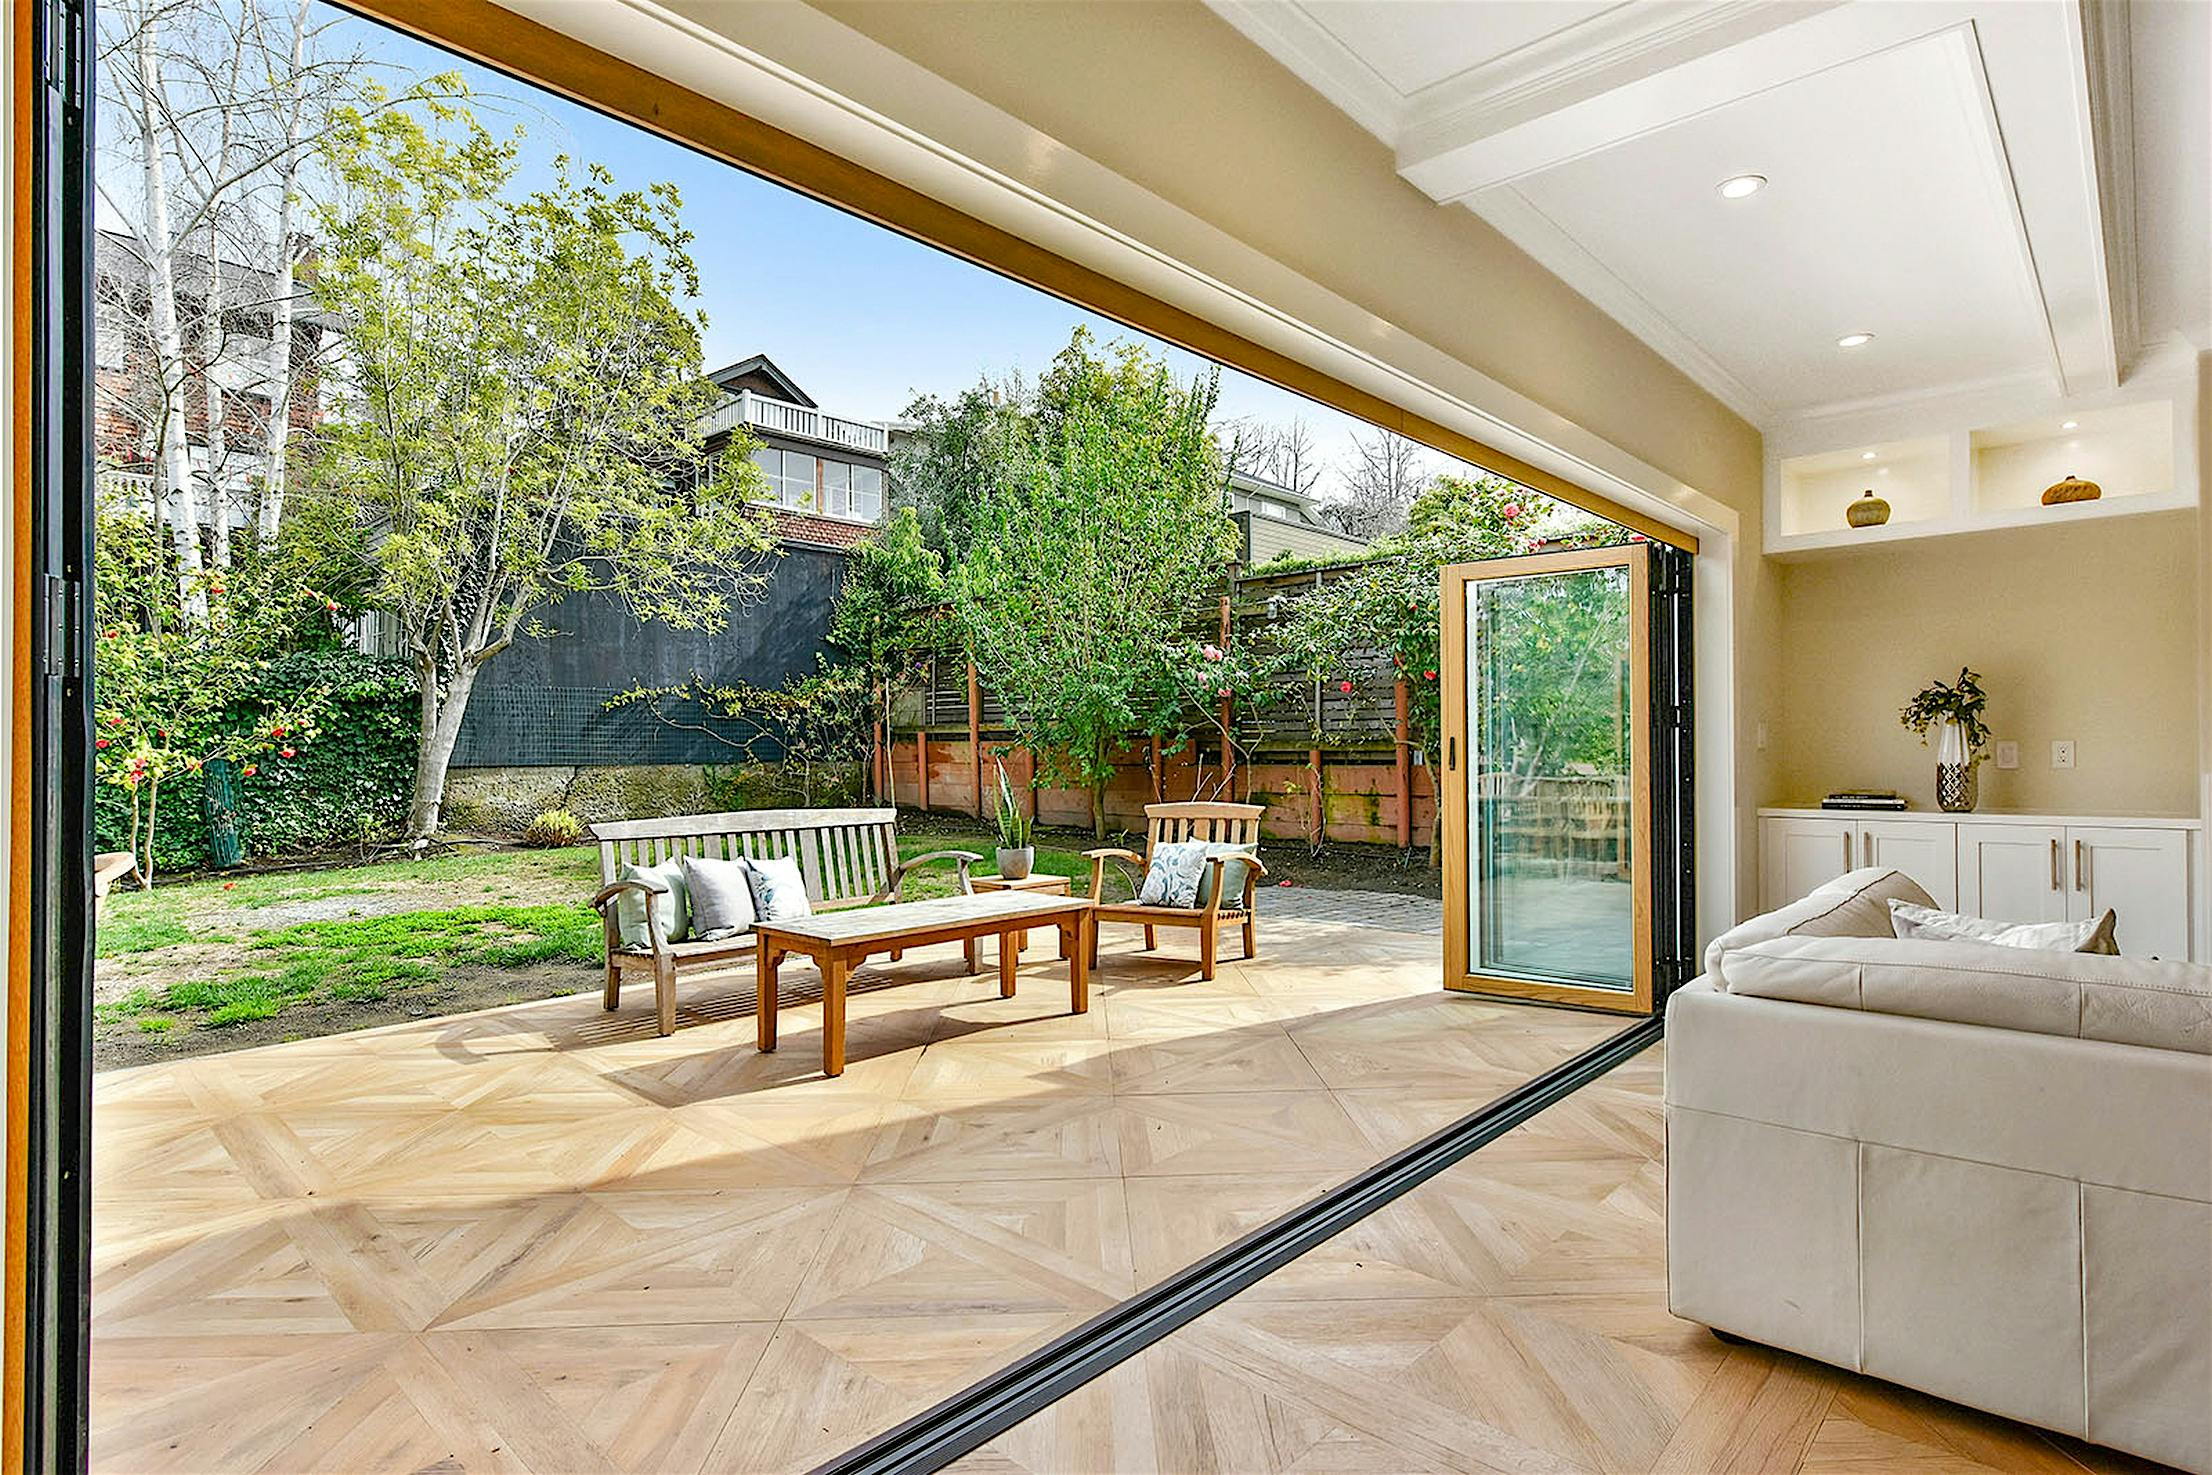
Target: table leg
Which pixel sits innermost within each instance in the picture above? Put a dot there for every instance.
(833, 1014)
(968, 947)
(1078, 953)
(1009, 958)
(764, 996)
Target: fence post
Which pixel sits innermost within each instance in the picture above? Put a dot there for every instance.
(1320, 815)
(975, 734)
(1228, 712)
(921, 768)
(1405, 765)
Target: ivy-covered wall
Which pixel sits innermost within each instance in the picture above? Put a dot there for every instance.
(349, 782)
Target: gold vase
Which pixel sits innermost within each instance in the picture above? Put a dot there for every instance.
(1869, 511)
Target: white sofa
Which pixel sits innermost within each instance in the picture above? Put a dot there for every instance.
(1983, 1172)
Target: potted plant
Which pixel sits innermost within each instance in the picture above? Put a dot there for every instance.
(1954, 710)
(1017, 851)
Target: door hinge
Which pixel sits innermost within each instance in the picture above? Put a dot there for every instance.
(63, 599)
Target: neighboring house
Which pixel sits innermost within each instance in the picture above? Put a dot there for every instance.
(544, 703)
(827, 471)
(127, 388)
(1274, 521)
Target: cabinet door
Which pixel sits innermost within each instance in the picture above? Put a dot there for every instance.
(1800, 853)
(1926, 850)
(2143, 876)
(2014, 873)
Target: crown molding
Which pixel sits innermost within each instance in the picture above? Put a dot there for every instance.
(1524, 223)
(2105, 73)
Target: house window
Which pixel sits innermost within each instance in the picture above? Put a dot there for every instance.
(867, 493)
(800, 479)
(837, 479)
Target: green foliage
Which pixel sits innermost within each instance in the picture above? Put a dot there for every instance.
(120, 938)
(529, 389)
(552, 827)
(1096, 536)
(1961, 701)
(344, 780)
(816, 724)
(960, 450)
(1015, 829)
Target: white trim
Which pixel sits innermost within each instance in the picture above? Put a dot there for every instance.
(1286, 31)
(2101, 53)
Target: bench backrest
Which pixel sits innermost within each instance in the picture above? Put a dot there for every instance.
(1223, 824)
(846, 855)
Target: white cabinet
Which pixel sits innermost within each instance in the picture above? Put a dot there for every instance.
(1800, 852)
(2143, 877)
(2016, 867)
(2015, 873)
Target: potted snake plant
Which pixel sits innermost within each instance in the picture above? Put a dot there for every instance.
(1017, 850)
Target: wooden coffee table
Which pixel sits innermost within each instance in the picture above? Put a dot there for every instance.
(1041, 884)
(839, 941)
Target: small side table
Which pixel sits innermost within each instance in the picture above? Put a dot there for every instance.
(1046, 885)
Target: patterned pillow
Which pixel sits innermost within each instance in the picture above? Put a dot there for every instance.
(673, 903)
(1172, 878)
(779, 891)
(721, 897)
(1233, 872)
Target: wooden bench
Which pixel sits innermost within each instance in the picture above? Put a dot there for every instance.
(849, 858)
(1166, 824)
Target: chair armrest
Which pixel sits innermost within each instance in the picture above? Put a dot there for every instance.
(1254, 870)
(1113, 852)
(1120, 857)
(963, 858)
(609, 892)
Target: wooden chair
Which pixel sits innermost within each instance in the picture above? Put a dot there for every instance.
(1167, 824)
(848, 857)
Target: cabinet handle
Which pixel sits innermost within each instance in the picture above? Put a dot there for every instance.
(2058, 867)
(2081, 867)
(1847, 850)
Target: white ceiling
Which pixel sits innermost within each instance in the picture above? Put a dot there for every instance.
(2006, 193)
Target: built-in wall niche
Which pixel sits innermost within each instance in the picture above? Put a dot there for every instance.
(2127, 450)
(1912, 476)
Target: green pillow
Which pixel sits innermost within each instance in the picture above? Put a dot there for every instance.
(674, 904)
(1233, 873)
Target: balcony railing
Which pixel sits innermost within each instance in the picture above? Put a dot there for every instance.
(784, 418)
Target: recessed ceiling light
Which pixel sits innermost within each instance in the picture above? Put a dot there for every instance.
(1854, 340)
(1738, 186)
(2071, 425)
(1866, 455)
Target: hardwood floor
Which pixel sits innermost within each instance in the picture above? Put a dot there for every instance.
(1510, 1315)
(547, 1239)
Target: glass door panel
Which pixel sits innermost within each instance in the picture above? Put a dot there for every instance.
(1547, 777)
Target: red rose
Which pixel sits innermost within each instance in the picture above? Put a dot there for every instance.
(1428, 675)
(1344, 686)
(115, 722)
(331, 605)
(100, 742)
(249, 770)
(1225, 691)
(276, 732)
(112, 634)
(287, 752)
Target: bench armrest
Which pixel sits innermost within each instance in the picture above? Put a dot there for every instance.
(963, 858)
(609, 892)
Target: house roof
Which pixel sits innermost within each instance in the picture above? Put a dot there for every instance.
(1245, 481)
(765, 367)
(819, 532)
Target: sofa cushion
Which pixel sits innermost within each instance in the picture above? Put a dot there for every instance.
(1855, 904)
(1927, 923)
(2090, 996)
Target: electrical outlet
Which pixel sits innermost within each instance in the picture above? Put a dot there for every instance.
(2008, 754)
(2062, 753)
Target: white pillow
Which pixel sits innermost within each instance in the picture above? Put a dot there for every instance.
(1931, 925)
(721, 897)
(1172, 878)
(779, 891)
(672, 901)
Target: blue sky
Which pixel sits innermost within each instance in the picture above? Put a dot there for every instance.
(861, 317)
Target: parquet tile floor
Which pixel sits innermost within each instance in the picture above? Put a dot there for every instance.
(546, 1239)
(1509, 1315)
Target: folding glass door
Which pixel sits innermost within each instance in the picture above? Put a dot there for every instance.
(1556, 867)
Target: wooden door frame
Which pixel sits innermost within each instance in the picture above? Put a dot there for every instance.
(1451, 814)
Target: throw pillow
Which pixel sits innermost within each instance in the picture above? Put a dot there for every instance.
(1233, 872)
(1171, 880)
(721, 897)
(1852, 905)
(672, 901)
(779, 890)
(1931, 925)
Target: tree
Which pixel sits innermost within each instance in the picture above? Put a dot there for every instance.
(213, 113)
(527, 393)
(958, 450)
(1096, 543)
(1384, 478)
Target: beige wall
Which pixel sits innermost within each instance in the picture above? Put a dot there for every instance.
(2080, 632)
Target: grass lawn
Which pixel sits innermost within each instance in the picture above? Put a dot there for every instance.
(220, 963)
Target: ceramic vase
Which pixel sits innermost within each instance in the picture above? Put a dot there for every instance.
(1013, 865)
